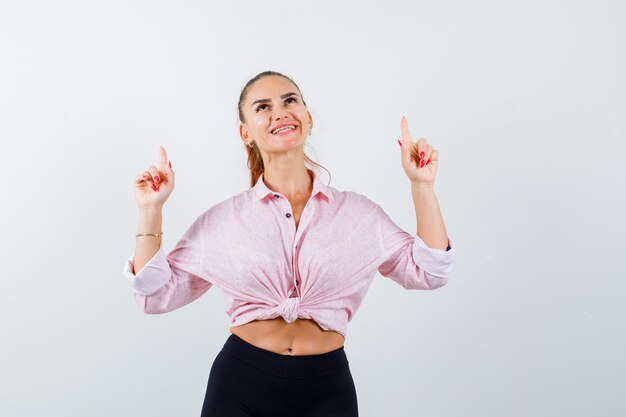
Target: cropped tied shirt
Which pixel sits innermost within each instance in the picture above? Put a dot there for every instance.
(250, 248)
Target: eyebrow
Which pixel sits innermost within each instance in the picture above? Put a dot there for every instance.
(268, 100)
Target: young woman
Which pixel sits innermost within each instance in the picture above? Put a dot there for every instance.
(294, 258)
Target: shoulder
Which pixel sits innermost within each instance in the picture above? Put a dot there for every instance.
(223, 210)
(358, 198)
(353, 201)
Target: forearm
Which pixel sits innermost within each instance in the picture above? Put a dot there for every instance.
(150, 221)
(430, 226)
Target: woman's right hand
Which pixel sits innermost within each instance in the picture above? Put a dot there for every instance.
(154, 186)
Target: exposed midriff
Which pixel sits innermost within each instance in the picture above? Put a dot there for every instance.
(302, 337)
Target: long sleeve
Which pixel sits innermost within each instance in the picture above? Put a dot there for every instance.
(408, 260)
(171, 281)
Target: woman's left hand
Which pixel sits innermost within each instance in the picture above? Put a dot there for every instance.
(419, 159)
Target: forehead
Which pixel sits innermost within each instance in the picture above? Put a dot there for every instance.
(270, 87)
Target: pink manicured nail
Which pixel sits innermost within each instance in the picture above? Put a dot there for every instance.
(428, 162)
(154, 187)
(422, 155)
(156, 177)
(399, 143)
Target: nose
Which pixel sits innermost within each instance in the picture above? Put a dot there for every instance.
(280, 113)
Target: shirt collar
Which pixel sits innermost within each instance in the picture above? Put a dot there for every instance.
(260, 190)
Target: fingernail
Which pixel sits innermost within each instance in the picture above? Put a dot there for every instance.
(428, 162)
(153, 187)
(170, 164)
(156, 177)
(145, 176)
(422, 164)
(422, 155)
(399, 143)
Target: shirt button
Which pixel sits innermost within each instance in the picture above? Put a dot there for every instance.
(288, 215)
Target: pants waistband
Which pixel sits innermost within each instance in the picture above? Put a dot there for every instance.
(286, 366)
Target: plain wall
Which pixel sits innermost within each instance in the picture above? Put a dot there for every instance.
(525, 102)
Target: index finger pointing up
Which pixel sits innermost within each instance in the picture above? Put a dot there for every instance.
(404, 128)
(163, 157)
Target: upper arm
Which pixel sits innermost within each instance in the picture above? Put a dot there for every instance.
(407, 260)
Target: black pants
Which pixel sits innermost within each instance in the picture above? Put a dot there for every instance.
(246, 380)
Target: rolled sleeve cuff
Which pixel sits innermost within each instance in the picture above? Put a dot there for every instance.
(152, 277)
(436, 262)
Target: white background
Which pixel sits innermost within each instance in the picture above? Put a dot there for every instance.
(525, 101)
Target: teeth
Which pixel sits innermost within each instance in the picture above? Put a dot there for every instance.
(283, 128)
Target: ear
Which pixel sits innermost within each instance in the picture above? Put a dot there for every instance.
(310, 118)
(243, 132)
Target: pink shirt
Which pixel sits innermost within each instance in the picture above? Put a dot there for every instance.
(249, 247)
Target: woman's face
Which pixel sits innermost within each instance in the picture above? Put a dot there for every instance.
(272, 102)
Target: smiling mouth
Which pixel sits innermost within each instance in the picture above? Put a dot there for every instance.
(283, 130)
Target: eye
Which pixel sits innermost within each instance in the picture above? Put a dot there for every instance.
(259, 107)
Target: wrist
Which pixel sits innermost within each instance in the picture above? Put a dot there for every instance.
(150, 220)
(422, 188)
(151, 211)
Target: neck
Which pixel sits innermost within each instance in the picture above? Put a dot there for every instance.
(293, 185)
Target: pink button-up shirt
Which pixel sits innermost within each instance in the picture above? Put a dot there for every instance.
(250, 248)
